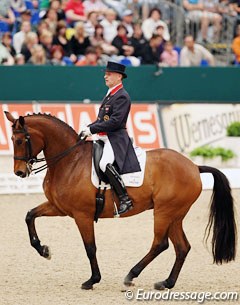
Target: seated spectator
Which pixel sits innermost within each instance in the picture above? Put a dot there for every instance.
(235, 6)
(30, 41)
(20, 36)
(51, 18)
(7, 42)
(74, 11)
(90, 58)
(6, 58)
(169, 57)
(192, 54)
(95, 6)
(122, 43)
(138, 41)
(18, 6)
(152, 52)
(211, 16)
(46, 40)
(79, 42)
(150, 24)
(57, 55)
(56, 6)
(38, 56)
(19, 59)
(6, 13)
(42, 26)
(98, 40)
(127, 21)
(61, 39)
(109, 24)
(92, 21)
(236, 46)
(102, 58)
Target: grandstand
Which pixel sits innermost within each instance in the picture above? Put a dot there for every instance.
(174, 16)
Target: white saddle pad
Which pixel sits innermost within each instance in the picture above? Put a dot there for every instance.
(131, 179)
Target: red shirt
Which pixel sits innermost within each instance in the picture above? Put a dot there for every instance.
(75, 6)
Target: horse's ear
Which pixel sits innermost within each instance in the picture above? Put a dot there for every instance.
(9, 116)
(21, 121)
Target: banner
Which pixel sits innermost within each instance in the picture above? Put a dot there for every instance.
(142, 125)
(189, 126)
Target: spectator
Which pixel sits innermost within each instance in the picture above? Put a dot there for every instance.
(169, 57)
(42, 26)
(236, 46)
(6, 58)
(90, 58)
(74, 11)
(127, 21)
(79, 42)
(18, 6)
(19, 59)
(7, 42)
(211, 16)
(51, 18)
(26, 15)
(98, 40)
(102, 58)
(192, 54)
(20, 36)
(61, 39)
(30, 41)
(109, 24)
(91, 23)
(151, 52)
(150, 24)
(46, 40)
(139, 8)
(95, 6)
(56, 6)
(38, 56)
(235, 6)
(122, 43)
(57, 55)
(138, 41)
(6, 13)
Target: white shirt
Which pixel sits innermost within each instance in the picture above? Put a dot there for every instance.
(189, 58)
(149, 26)
(110, 89)
(110, 29)
(18, 40)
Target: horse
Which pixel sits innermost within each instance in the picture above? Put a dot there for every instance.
(171, 184)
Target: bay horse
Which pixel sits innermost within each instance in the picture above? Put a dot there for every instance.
(171, 185)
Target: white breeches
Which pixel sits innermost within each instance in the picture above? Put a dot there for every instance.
(108, 154)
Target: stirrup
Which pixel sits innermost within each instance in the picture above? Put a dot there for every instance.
(125, 206)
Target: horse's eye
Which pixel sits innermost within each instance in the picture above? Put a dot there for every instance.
(19, 141)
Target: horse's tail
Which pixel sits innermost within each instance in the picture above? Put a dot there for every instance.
(221, 218)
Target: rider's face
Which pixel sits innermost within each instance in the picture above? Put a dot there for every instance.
(112, 79)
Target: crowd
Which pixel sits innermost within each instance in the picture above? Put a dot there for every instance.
(76, 32)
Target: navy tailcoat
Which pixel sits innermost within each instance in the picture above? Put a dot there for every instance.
(112, 119)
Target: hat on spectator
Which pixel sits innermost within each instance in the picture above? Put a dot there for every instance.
(116, 67)
(26, 12)
(127, 13)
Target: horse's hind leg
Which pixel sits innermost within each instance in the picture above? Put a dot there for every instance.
(160, 243)
(44, 209)
(182, 248)
(86, 228)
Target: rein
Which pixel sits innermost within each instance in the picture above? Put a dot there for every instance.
(30, 159)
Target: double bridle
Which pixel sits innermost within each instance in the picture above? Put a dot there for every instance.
(30, 159)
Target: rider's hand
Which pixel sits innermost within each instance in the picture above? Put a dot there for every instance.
(85, 132)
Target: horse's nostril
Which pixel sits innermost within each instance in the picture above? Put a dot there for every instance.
(19, 173)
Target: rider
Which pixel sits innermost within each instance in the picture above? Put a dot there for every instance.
(111, 129)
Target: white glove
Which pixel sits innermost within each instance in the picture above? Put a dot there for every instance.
(85, 132)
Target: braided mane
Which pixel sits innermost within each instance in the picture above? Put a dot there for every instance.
(51, 117)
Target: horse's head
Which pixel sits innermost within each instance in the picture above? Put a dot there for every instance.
(27, 144)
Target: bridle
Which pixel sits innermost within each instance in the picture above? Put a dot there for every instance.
(30, 159)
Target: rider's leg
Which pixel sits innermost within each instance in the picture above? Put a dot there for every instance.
(114, 177)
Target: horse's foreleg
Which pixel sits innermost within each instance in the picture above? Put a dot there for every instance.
(44, 209)
(160, 243)
(182, 247)
(86, 228)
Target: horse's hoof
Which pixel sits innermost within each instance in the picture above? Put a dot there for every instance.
(160, 285)
(128, 282)
(46, 253)
(87, 285)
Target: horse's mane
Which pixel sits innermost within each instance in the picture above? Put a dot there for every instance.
(51, 117)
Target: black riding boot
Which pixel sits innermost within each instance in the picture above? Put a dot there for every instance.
(119, 187)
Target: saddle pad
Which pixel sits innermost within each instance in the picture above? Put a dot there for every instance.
(131, 179)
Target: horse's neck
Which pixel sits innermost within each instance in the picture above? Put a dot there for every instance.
(56, 137)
